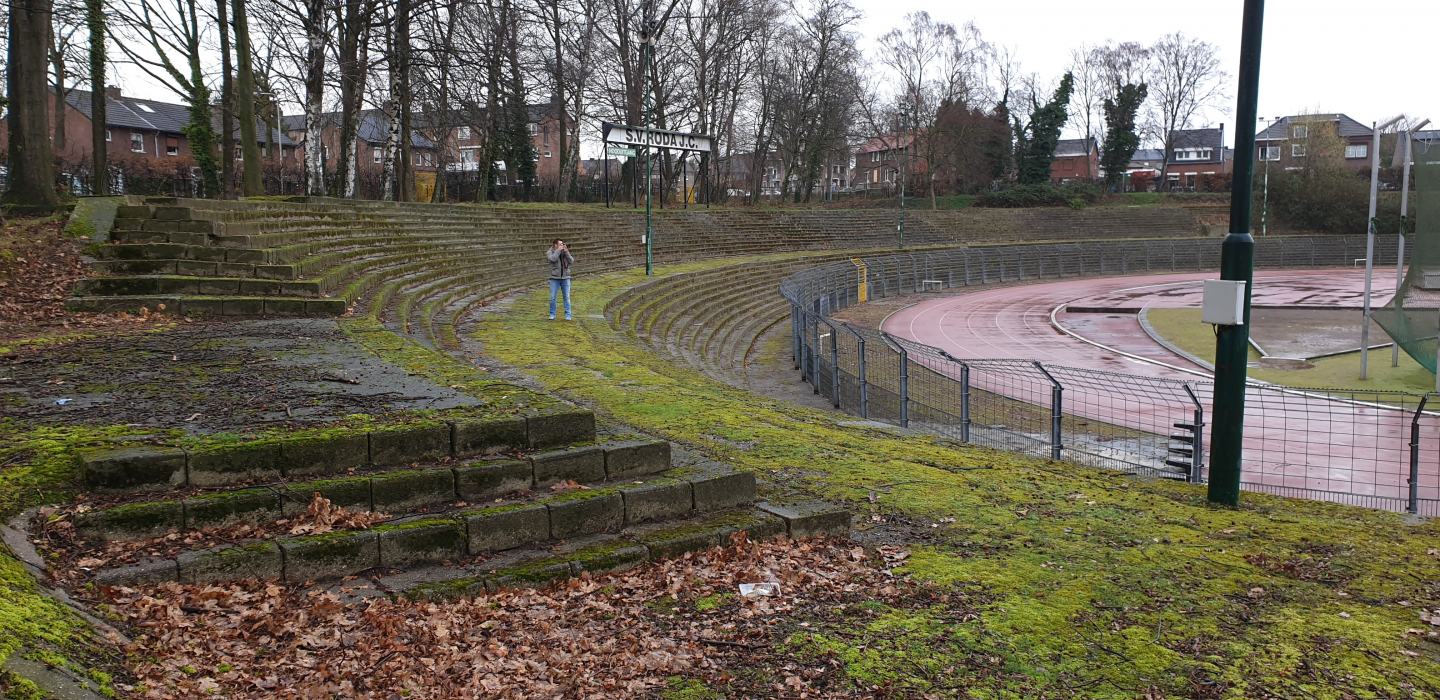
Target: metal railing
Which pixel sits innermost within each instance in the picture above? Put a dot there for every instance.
(1373, 449)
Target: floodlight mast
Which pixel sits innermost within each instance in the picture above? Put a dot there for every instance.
(1370, 239)
(1237, 262)
(1404, 227)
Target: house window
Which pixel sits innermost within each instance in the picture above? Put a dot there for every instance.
(107, 135)
(1301, 132)
(547, 154)
(533, 128)
(239, 155)
(379, 154)
(1297, 150)
(1193, 154)
(137, 143)
(875, 157)
(547, 139)
(145, 107)
(1358, 151)
(172, 146)
(1269, 153)
(467, 156)
(462, 133)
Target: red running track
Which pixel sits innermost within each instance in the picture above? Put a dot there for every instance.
(1293, 440)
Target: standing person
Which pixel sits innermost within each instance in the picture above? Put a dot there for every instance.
(560, 262)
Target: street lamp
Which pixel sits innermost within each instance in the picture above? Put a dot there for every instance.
(904, 166)
(647, 40)
(1265, 200)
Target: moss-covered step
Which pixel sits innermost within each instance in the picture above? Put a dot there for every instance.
(330, 555)
(258, 560)
(810, 518)
(717, 486)
(154, 468)
(667, 540)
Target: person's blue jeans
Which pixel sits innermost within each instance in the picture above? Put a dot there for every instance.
(555, 286)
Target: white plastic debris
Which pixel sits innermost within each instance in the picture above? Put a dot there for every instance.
(61, 402)
(755, 590)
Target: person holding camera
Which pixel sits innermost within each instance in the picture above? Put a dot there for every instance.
(560, 262)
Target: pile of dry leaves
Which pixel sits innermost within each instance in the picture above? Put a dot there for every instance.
(74, 560)
(614, 636)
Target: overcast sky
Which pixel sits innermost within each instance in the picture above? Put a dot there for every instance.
(1314, 57)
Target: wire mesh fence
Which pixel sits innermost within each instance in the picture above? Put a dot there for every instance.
(1372, 449)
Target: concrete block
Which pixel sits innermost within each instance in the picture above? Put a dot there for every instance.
(584, 513)
(214, 286)
(172, 213)
(810, 519)
(479, 437)
(202, 307)
(260, 560)
(330, 556)
(718, 487)
(421, 542)
(198, 268)
(243, 307)
(131, 469)
(258, 287)
(186, 238)
(137, 521)
(304, 289)
(657, 499)
(700, 535)
(425, 443)
(234, 269)
(584, 465)
(352, 494)
(486, 480)
(532, 576)
(324, 307)
(628, 459)
(398, 492)
(222, 509)
(561, 428)
(277, 272)
(148, 570)
(504, 527)
(324, 454)
(132, 211)
(441, 591)
(233, 463)
(284, 307)
(609, 558)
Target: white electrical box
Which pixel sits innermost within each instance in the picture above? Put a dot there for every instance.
(1224, 303)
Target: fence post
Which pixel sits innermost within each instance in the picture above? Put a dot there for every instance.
(814, 351)
(834, 366)
(1414, 505)
(1057, 396)
(1197, 454)
(904, 387)
(864, 388)
(964, 402)
(795, 333)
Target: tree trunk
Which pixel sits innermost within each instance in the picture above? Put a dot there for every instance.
(58, 57)
(31, 168)
(249, 143)
(314, 94)
(95, 20)
(352, 58)
(404, 170)
(227, 105)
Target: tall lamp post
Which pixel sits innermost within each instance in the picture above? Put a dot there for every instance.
(647, 41)
(1265, 198)
(1370, 239)
(1404, 228)
(1237, 262)
(904, 167)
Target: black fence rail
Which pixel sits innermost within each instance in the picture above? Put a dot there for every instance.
(1372, 449)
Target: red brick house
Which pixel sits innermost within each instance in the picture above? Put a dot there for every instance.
(878, 163)
(140, 134)
(1076, 159)
(1285, 141)
(1195, 156)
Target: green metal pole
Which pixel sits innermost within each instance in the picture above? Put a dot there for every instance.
(645, 87)
(1237, 262)
(904, 168)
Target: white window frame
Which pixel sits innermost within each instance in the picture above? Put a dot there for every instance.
(107, 136)
(467, 156)
(1357, 150)
(1300, 132)
(1269, 153)
(875, 157)
(379, 155)
(1297, 150)
(137, 143)
(547, 154)
(533, 128)
(167, 147)
(462, 133)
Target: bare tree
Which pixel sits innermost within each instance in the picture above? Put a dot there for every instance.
(30, 179)
(1185, 80)
(1092, 86)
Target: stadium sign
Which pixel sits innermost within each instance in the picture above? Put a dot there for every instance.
(659, 138)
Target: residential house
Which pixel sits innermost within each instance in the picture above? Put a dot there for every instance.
(1076, 159)
(878, 163)
(1195, 153)
(464, 143)
(1287, 141)
(143, 134)
(372, 137)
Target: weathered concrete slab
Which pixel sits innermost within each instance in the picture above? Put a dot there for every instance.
(656, 499)
(132, 469)
(421, 542)
(585, 513)
(811, 519)
(403, 491)
(505, 527)
(481, 437)
(585, 465)
(230, 507)
(429, 443)
(260, 560)
(330, 556)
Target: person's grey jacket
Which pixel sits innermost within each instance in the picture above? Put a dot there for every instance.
(560, 262)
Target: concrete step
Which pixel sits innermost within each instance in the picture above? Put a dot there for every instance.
(134, 469)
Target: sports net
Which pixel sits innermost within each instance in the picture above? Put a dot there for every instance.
(1412, 318)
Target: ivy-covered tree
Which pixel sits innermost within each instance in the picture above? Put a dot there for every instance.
(1035, 145)
(1121, 141)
